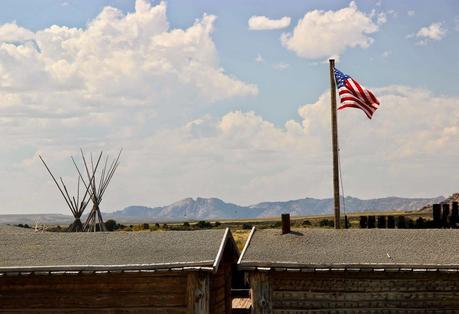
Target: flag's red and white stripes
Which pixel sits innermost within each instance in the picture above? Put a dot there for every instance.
(353, 95)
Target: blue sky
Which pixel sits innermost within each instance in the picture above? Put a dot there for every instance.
(407, 64)
(247, 121)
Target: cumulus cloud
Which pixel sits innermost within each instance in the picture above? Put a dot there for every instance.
(393, 154)
(411, 13)
(124, 76)
(434, 31)
(258, 23)
(242, 157)
(11, 32)
(118, 61)
(320, 34)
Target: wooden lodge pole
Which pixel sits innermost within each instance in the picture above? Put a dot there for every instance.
(334, 143)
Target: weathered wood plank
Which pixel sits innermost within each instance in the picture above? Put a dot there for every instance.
(365, 296)
(362, 310)
(198, 292)
(261, 293)
(137, 290)
(140, 310)
(87, 300)
(343, 292)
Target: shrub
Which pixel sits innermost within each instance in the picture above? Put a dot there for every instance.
(203, 224)
(326, 223)
(306, 223)
(420, 223)
(111, 225)
(246, 226)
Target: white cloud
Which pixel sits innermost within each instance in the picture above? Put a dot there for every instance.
(381, 18)
(264, 23)
(259, 59)
(435, 31)
(118, 62)
(11, 32)
(411, 13)
(386, 53)
(320, 34)
(241, 157)
(281, 66)
(121, 78)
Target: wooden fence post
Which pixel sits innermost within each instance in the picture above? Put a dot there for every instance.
(198, 293)
(390, 222)
(371, 222)
(436, 215)
(445, 215)
(455, 214)
(261, 293)
(285, 223)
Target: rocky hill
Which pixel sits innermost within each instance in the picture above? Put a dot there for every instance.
(453, 198)
(214, 208)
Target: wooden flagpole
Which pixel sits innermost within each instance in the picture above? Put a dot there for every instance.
(334, 124)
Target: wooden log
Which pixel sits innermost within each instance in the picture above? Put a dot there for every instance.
(261, 293)
(285, 223)
(445, 215)
(401, 222)
(455, 214)
(371, 222)
(198, 293)
(382, 222)
(436, 215)
(390, 222)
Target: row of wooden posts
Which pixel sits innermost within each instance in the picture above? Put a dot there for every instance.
(442, 217)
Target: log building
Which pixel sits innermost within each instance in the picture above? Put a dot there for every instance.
(353, 271)
(128, 272)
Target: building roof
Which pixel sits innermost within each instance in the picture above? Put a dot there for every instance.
(352, 249)
(52, 252)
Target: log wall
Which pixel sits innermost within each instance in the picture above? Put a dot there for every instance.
(348, 292)
(220, 286)
(107, 293)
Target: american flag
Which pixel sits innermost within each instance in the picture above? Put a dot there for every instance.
(353, 95)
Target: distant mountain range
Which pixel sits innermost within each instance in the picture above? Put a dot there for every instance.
(214, 208)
